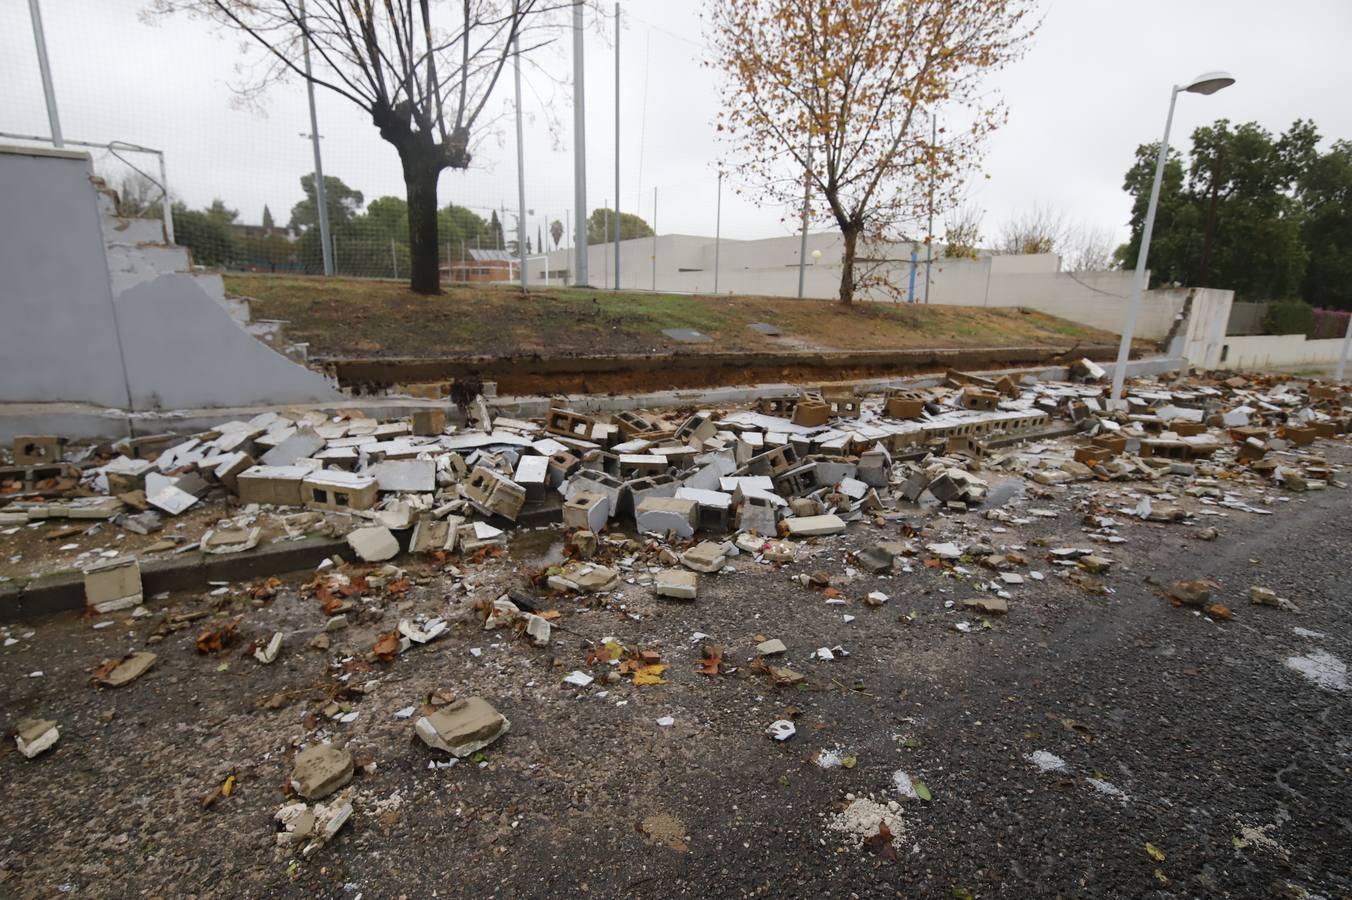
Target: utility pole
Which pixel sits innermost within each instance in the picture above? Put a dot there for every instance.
(45, 68)
(579, 150)
(929, 247)
(520, 163)
(605, 242)
(325, 239)
(654, 238)
(394, 258)
(718, 226)
(618, 220)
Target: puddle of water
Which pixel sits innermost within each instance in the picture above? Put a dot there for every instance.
(539, 549)
(1323, 669)
(1005, 490)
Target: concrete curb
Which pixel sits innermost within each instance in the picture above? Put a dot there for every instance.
(64, 591)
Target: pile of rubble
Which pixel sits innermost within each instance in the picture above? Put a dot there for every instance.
(789, 468)
(659, 500)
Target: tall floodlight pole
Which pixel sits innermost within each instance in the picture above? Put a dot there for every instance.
(579, 151)
(45, 69)
(929, 240)
(654, 238)
(324, 239)
(802, 240)
(618, 220)
(718, 227)
(1209, 83)
(520, 165)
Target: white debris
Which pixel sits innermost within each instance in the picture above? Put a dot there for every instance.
(578, 679)
(860, 820)
(1322, 668)
(781, 730)
(1046, 762)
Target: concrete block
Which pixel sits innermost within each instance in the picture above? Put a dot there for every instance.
(814, 526)
(663, 514)
(596, 483)
(532, 473)
(320, 770)
(276, 485)
(633, 465)
(797, 481)
(811, 412)
(416, 475)
(706, 556)
(493, 493)
(567, 423)
(37, 449)
(229, 468)
(773, 461)
(429, 421)
(677, 584)
(462, 728)
(979, 399)
(113, 584)
(373, 544)
(301, 444)
(715, 507)
(697, 429)
(639, 489)
(125, 475)
(757, 514)
(587, 511)
(338, 491)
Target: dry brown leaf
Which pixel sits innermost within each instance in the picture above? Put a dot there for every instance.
(387, 646)
(712, 661)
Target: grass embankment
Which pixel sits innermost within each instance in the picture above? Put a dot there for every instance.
(345, 317)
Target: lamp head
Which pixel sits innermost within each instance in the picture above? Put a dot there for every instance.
(1209, 83)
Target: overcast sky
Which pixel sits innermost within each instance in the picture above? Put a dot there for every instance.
(1094, 84)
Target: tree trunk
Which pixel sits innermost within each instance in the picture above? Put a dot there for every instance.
(421, 171)
(851, 235)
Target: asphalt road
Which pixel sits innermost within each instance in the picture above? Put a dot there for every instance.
(1232, 765)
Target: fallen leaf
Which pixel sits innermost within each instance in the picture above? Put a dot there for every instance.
(228, 787)
(1219, 611)
(848, 761)
(922, 791)
(1154, 852)
(213, 640)
(399, 586)
(712, 660)
(881, 843)
(650, 674)
(1161, 877)
(387, 646)
(550, 615)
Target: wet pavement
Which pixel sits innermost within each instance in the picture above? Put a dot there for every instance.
(1086, 744)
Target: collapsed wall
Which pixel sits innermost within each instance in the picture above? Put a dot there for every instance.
(138, 342)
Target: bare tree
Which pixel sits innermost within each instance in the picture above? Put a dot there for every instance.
(1039, 230)
(139, 197)
(423, 72)
(834, 99)
(962, 228)
(1087, 248)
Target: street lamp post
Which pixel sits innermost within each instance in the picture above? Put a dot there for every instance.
(1208, 83)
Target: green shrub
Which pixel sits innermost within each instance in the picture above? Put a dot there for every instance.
(1288, 317)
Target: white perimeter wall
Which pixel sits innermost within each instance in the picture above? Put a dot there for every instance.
(685, 264)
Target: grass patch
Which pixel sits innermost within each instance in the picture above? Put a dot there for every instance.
(358, 317)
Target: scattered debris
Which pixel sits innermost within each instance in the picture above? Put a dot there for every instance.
(36, 736)
(463, 727)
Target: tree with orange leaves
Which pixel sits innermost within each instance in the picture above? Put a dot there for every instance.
(839, 93)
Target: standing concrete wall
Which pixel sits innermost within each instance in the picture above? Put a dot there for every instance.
(141, 341)
(58, 340)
